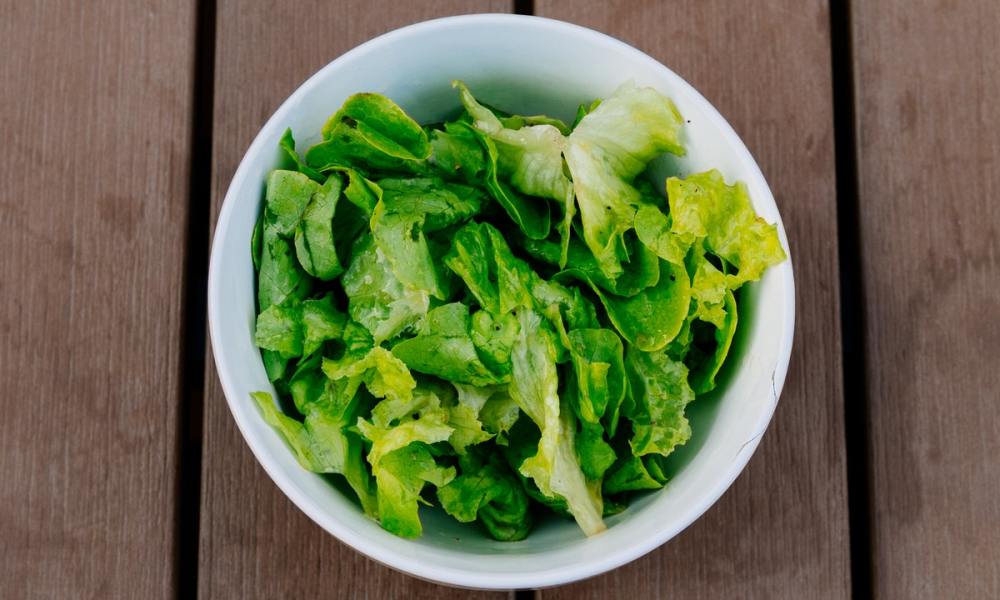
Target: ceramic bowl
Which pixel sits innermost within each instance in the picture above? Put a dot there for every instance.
(524, 65)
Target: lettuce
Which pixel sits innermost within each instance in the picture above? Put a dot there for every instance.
(555, 467)
(314, 236)
(660, 392)
(704, 207)
(651, 318)
(486, 490)
(402, 427)
(323, 444)
(608, 147)
(377, 299)
(370, 132)
(443, 347)
(433, 336)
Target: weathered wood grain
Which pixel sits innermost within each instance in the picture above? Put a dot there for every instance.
(781, 531)
(95, 110)
(254, 542)
(928, 155)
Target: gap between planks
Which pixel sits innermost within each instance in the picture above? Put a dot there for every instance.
(852, 302)
(194, 315)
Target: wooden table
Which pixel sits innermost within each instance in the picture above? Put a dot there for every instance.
(122, 474)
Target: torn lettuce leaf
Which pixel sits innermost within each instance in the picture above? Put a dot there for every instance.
(443, 347)
(280, 279)
(498, 280)
(314, 235)
(457, 152)
(323, 444)
(704, 207)
(660, 393)
(596, 454)
(377, 299)
(399, 235)
(402, 427)
(400, 476)
(705, 366)
(530, 156)
(653, 229)
(321, 322)
(370, 132)
(600, 372)
(486, 490)
(630, 475)
(441, 204)
(293, 162)
(651, 318)
(554, 468)
(529, 152)
(288, 195)
(606, 150)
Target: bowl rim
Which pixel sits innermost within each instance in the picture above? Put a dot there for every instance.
(411, 564)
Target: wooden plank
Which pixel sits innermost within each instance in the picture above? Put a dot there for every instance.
(926, 84)
(95, 108)
(782, 528)
(254, 542)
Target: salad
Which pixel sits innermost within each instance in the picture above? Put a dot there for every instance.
(499, 314)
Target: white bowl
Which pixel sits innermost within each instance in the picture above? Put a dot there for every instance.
(525, 65)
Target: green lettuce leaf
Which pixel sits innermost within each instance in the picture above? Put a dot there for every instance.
(384, 375)
(530, 158)
(583, 110)
(498, 280)
(493, 339)
(705, 366)
(596, 454)
(486, 490)
(281, 279)
(653, 229)
(441, 204)
(377, 299)
(323, 444)
(496, 409)
(640, 272)
(257, 242)
(295, 162)
(708, 288)
(400, 236)
(443, 347)
(555, 467)
(630, 475)
(279, 329)
(519, 121)
(372, 132)
(321, 322)
(402, 427)
(660, 393)
(288, 195)
(651, 318)
(308, 384)
(458, 153)
(363, 193)
(600, 374)
(400, 476)
(608, 147)
(314, 235)
(629, 128)
(703, 206)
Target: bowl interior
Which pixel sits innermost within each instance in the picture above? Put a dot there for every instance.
(528, 66)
